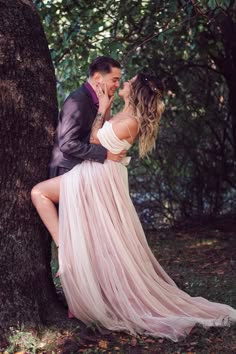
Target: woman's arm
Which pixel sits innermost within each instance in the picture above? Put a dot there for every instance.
(102, 114)
(97, 124)
(107, 115)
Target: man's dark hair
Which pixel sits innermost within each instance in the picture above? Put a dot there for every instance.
(103, 65)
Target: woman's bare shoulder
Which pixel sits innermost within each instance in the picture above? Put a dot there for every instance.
(125, 126)
(122, 117)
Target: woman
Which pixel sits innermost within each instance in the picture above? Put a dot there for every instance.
(107, 269)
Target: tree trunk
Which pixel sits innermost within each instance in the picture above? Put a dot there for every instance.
(28, 113)
(226, 28)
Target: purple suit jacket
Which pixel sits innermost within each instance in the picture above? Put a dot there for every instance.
(73, 132)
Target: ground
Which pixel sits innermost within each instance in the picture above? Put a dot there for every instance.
(200, 258)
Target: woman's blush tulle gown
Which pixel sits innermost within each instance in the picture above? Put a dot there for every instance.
(107, 270)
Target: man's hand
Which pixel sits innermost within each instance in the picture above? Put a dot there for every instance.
(116, 157)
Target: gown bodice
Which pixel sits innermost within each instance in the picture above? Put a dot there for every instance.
(110, 141)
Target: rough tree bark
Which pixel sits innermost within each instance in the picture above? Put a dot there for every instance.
(28, 113)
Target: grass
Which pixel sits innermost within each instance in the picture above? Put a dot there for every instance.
(202, 262)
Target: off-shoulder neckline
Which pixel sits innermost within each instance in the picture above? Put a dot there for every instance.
(110, 122)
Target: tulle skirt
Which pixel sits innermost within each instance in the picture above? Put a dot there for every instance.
(108, 272)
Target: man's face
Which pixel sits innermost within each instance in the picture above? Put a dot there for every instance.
(111, 80)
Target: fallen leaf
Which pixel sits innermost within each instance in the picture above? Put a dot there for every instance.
(103, 344)
(123, 340)
(133, 341)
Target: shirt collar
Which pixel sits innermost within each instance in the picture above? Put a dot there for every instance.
(93, 93)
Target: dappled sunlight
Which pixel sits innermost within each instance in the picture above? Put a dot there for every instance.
(203, 243)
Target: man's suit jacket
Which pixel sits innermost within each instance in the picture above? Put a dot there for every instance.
(73, 132)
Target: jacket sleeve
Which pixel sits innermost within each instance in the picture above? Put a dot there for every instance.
(74, 117)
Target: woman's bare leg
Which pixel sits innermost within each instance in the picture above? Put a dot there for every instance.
(44, 197)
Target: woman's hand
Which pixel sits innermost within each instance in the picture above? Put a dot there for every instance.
(103, 98)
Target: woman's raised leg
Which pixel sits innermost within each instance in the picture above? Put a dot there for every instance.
(45, 196)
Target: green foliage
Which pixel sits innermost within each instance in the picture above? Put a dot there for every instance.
(22, 340)
(27, 340)
(191, 45)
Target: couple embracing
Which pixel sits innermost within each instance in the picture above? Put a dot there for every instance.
(107, 270)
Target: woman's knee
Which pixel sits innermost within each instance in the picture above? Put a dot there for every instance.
(46, 191)
(35, 193)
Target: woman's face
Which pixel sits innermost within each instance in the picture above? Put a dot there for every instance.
(125, 90)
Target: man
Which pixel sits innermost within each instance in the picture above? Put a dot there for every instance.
(77, 116)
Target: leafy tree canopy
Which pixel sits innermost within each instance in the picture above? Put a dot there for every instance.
(191, 45)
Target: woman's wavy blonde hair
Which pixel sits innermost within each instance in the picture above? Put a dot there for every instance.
(146, 100)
